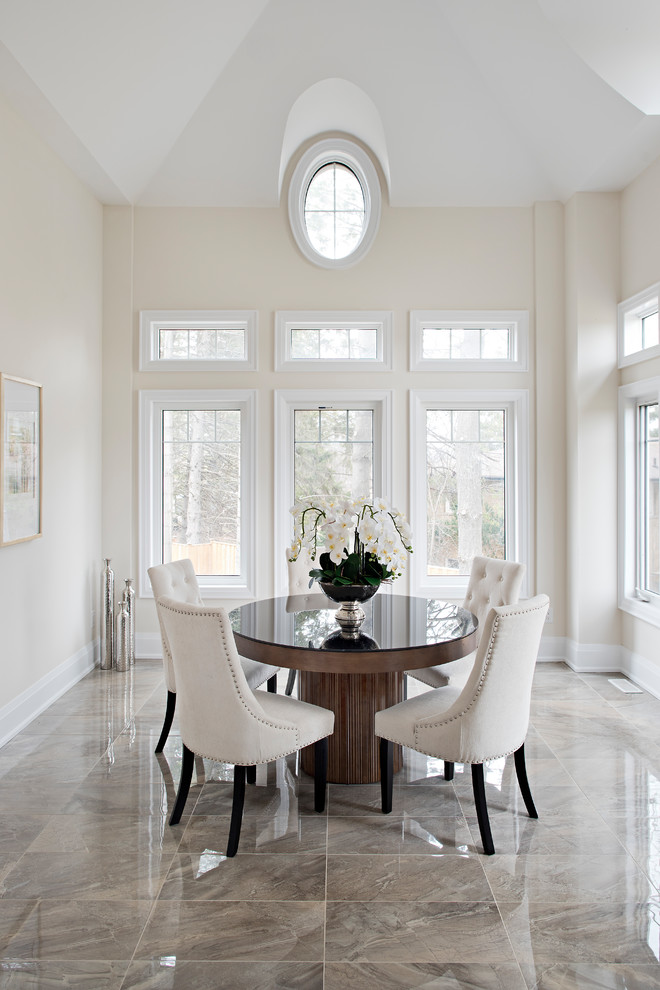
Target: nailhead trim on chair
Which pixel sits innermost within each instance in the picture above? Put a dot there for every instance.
(446, 721)
(264, 721)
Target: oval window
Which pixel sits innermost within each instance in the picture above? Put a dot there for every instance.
(334, 203)
(334, 211)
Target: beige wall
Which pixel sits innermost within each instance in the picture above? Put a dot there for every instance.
(50, 329)
(422, 259)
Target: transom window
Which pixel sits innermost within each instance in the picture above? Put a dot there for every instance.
(469, 340)
(333, 341)
(639, 337)
(198, 340)
(334, 203)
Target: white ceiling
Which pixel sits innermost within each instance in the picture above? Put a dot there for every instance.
(465, 102)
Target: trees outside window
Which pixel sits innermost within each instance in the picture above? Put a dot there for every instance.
(328, 442)
(470, 484)
(196, 485)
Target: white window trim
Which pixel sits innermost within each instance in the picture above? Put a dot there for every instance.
(287, 320)
(286, 402)
(154, 320)
(515, 320)
(358, 161)
(630, 397)
(151, 406)
(517, 466)
(642, 304)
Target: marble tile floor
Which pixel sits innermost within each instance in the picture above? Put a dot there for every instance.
(97, 892)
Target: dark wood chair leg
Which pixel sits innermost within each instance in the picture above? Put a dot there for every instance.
(251, 775)
(482, 810)
(184, 785)
(523, 783)
(290, 681)
(449, 770)
(320, 773)
(236, 810)
(167, 724)
(271, 684)
(386, 774)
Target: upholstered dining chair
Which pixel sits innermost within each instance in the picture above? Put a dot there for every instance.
(298, 571)
(222, 719)
(485, 720)
(491, 582)
(178, 580)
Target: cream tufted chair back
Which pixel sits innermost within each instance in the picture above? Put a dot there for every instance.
(299, 574)
(176, 580)
(220, 717)
(492, 582)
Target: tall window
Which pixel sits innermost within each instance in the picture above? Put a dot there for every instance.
(333, 452)
(639, 480)
(648, 485)
(196, 492)
(327, 443)
(465, 488)
(470, 484)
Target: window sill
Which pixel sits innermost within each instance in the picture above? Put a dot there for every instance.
(646, 611)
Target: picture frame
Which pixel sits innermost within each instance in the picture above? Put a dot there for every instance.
(21, 459)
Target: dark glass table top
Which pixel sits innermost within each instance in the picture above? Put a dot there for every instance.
(424, 631)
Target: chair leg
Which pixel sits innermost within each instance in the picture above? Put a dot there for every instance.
(251, 774)
(236, 810)
(320, 773)
(184, 785)
(290, 681)
(386, 774)
(449, 770)
(523, 783)
(482, 810)
(167, 724)
(271, 684)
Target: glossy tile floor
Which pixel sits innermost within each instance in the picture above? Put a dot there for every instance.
(99, 893)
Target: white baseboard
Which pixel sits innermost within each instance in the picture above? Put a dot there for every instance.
(641, 671)
(552, 648)
(32, 702)
(593, 658)
(148, 646)
(600, 658)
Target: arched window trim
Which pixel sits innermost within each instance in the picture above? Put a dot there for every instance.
(342, 152)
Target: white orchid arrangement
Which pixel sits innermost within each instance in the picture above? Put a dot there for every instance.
(358, 542)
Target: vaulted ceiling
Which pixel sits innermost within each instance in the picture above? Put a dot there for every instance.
(464, 102)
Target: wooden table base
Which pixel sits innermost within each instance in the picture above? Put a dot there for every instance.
(355, 699)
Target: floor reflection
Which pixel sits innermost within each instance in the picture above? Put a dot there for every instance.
(99, 892)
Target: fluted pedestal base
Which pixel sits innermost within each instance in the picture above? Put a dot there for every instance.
(355, 699)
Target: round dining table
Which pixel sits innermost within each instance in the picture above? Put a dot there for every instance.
(354, 677)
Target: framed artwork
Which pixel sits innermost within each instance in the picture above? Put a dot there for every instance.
(20, 459)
